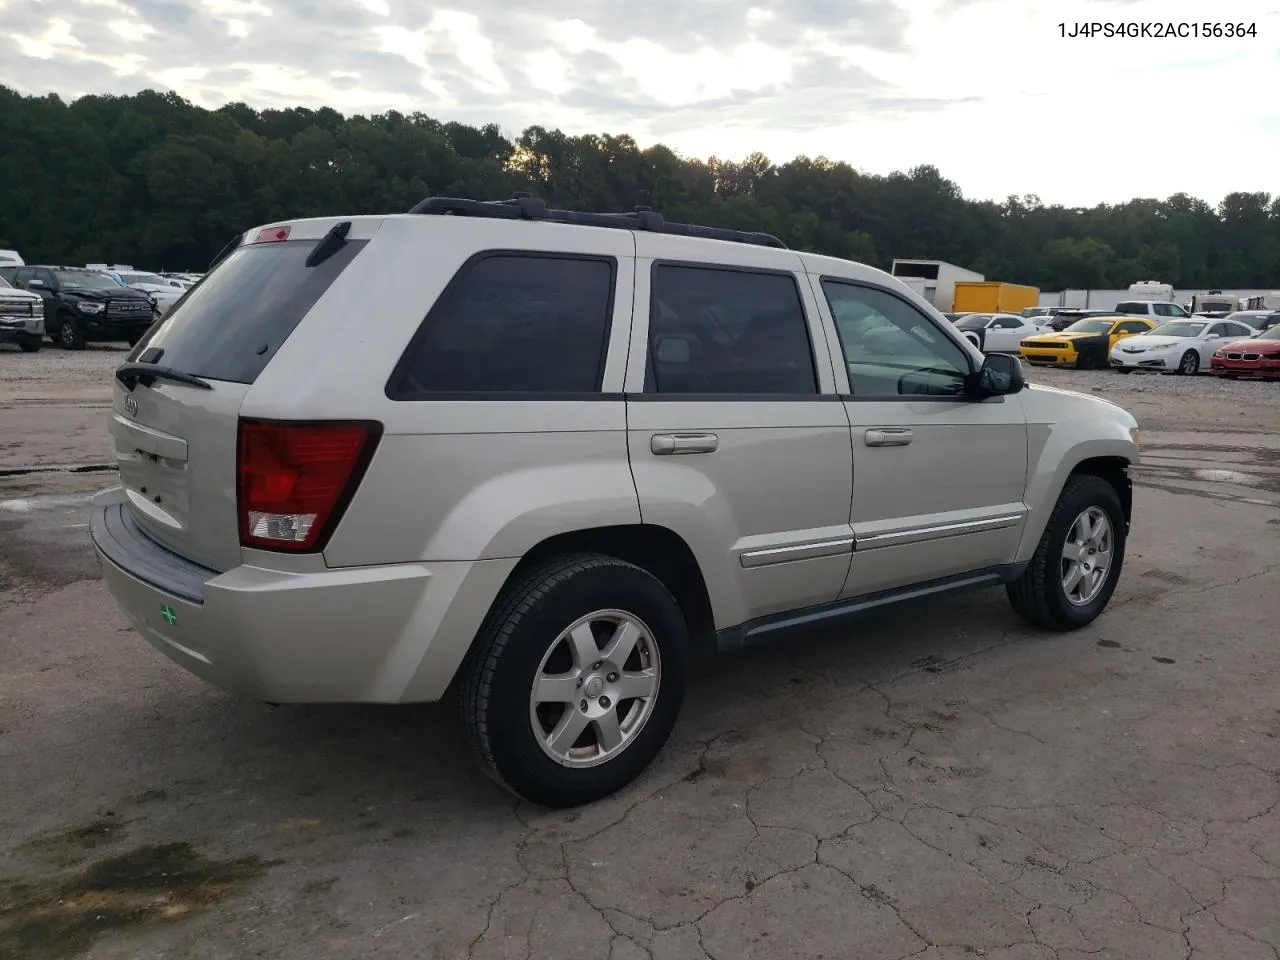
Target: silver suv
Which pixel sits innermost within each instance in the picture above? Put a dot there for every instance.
(539, 459)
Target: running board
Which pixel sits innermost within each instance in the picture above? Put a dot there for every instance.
(762, 630)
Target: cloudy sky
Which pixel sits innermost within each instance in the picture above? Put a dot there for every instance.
(987, 90)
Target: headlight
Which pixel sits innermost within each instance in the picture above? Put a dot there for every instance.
(1220, 353)
(88, 306)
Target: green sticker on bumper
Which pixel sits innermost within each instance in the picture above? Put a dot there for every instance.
(170, 617)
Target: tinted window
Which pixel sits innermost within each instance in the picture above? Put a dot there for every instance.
(1162, 309)
(1177, 311)
(9, 273)
(1006, 323)
(229, 326)
(1132, 326)
(714, 330)
(890, 348)
(974, 321)
(514, 323)
(1131, 306)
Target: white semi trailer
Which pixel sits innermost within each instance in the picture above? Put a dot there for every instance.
(940, 279)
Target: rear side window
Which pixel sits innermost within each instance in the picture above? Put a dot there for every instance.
(230, 325)
(513, 323)
(1131, 307)
(718, 330)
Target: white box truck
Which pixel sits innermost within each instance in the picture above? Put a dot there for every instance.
(940, 279)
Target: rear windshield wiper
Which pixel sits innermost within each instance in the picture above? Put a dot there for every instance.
(131, 374)
(329, 244)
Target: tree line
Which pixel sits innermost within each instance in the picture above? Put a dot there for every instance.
(158, 182)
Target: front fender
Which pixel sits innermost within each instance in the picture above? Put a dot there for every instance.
(1056, 450)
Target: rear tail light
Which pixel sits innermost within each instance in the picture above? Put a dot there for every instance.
(294, 480)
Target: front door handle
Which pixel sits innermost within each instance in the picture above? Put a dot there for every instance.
(888, 437)
(670, 444)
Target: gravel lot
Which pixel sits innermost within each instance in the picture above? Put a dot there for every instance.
(936, 782)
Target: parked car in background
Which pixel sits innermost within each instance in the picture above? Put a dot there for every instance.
(1032, 313)
(1251, 318)
(1178, 346)
(21, 317)
(282, 526)
(86, 305)
(1069, 315)
(1257, 358)
(998, 332)
(164, 292)
(10, 258)
(1085, 344)
(1269, 321)
(1157, 310)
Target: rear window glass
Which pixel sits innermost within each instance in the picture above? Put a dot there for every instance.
(230, 325)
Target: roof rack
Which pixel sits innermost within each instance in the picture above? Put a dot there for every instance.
(523, 206)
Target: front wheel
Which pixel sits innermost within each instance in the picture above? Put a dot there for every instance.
(1074, 570)
(69, 335)
(1189, 365)
(575, 680)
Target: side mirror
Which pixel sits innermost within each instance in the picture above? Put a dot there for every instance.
(1000, 375)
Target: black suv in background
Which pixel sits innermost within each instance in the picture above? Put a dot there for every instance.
(84, 305)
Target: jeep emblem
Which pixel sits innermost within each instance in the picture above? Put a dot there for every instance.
(131, 406)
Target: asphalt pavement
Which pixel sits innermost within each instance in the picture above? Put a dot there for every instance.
(936, 782)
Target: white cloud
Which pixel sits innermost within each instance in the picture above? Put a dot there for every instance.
(986, 90)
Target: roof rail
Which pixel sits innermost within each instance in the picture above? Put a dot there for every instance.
(522, 206)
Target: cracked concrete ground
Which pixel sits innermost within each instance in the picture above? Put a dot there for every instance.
(935, 782)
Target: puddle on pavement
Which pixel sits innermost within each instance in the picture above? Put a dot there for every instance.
(1227, 476)
(145, 887)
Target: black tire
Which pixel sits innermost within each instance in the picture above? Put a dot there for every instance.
(1189, 364)
(29, 344)
(68, 335)
(1124, 369)
(1038, 595)
(497, 678)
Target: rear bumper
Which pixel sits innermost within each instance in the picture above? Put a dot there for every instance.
(390, 634)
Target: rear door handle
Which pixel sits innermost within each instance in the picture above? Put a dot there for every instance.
(888, 437)
(670, 444)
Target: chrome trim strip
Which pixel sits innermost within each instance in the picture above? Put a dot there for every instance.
(918, 534)
(800, 551)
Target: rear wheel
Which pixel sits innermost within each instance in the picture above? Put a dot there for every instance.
(1189, 365)
(575, 680)
(1074, 570)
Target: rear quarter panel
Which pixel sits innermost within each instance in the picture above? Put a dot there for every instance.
(455, 479)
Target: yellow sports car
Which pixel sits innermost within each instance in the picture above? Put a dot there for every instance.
(1086, 343)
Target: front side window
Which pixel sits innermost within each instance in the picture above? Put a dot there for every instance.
(1163, 309)
(890, 348)
(514, 323)
(1132, 326)
(720, 330)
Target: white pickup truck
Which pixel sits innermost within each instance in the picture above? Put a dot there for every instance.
(21, 317)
